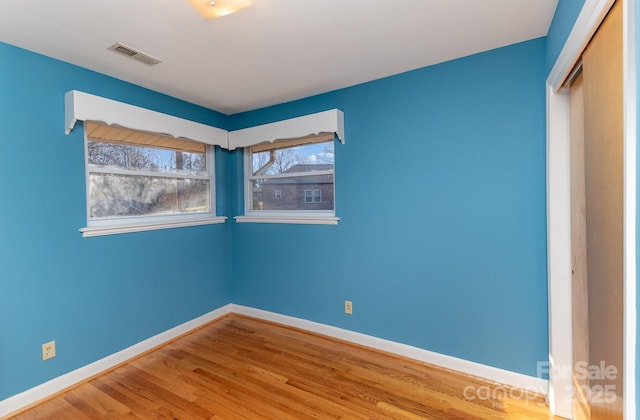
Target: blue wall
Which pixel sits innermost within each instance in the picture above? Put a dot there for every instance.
(94, 296)
(441, 191)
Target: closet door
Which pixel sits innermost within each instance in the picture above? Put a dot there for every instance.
(603, 223)
(579, 284)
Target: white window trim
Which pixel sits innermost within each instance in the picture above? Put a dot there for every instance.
(88, 232)
(301, 217)
(118, 225)
(81, 106)
(289, 219)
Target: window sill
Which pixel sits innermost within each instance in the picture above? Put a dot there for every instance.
(117, 229)
(297, 220)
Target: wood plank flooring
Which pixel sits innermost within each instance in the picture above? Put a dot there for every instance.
(243, 368)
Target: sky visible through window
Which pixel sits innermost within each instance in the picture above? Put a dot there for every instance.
(286, 158)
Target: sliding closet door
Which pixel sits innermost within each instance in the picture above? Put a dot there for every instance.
(603, 191)
(579, 283)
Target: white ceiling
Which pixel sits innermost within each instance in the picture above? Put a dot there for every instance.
(272, 52)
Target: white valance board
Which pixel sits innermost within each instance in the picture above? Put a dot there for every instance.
(81, 106)
(331, 121)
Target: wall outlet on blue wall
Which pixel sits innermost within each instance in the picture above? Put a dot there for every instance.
(348, 307)
(49, 350)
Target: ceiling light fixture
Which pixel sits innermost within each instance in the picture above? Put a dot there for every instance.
(215, 9)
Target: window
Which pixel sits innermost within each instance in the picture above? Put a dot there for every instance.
(313, 196)
(291, 178)
(135, 178)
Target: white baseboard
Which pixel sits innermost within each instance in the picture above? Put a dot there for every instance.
(491, 373)
(56, 385)
(60, 383)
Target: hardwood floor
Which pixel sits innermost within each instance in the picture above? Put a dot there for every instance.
(239, 367)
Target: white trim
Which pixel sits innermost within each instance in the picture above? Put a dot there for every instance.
(591, 15)
(300, 217)
(559, 253)
(629, 52)
(116, 229)
(60, 383)
(290, 175)
(331, 121)
(297, 220)
(472, 368)
(80, 106)
(118, 225)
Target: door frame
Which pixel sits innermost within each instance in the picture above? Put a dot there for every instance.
(559, 206)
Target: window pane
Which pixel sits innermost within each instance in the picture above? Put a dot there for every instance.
(307, 158)
(296, 193)
(124, 195)
(149, 159)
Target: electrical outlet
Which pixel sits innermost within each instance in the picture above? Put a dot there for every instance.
(348, 307)
(48, 350)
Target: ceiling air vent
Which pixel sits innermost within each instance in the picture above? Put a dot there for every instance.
(127, 51)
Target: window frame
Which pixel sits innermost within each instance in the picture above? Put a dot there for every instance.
(116, 225)
(283, 216)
